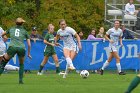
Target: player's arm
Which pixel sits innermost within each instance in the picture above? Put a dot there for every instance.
(46, 42)
(121, 41)
(107, 38)
(78, 40)
(4, 36)
(29, 48)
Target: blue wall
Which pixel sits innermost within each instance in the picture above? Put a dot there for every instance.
(92, 56)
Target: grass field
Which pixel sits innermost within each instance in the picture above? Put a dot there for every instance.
(53, 83)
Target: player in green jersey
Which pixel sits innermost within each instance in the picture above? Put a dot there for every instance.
(16, 46)
(49, 49)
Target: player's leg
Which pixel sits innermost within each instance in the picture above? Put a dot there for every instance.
(21, 69)
(6, 57)
(106, 63)
(44, 61)
(21, 56)
(68, 59)
(115, 54)
(133, 84)
(55, 58)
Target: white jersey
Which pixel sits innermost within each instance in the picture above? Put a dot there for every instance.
(114, 35)
(130, 8)
(2, 44)
(67, 35)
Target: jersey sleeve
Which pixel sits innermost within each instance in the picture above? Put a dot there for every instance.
(108, 32)
(1, 30)
(126, 8)
(46, 37)
(121, 34)
(72, 31)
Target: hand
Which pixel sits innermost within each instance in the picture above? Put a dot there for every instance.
(139, 55)
(111, 41)
(29, 56)
(121, 45)
(80, 47)
(53, 44)
(57, 44)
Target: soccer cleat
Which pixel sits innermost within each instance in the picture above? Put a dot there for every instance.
(101, 72)
(71, 68)
(122, 73)
(21, 82)
(39, 73)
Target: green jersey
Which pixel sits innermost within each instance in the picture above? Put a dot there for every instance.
(17, 35)
(50, 38)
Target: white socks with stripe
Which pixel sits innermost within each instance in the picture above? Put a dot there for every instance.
(105, 65)
(118, 67)
(69, 61)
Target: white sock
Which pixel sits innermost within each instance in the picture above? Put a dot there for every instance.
(105, 65)
(69, 61)
(118, 67)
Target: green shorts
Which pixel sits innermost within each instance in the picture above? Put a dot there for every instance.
(49, 52)
(11, 51)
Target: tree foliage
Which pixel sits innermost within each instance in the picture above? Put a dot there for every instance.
(79, 14)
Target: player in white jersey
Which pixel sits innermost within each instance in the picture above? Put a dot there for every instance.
(130, 8)
(2, 44)
(67, 34)
(115, 35)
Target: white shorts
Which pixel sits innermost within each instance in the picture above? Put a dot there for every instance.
(11, 67)
(74, 48)
(113, 49)
(2, 50)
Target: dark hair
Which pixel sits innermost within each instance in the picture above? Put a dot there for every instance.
(79, 32)
(117, 20)
(19, 23)
(61, 21)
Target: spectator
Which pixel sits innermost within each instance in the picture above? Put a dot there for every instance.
(81, 35)
(92, 35)
(138, 19)
(101, 33)
(130, 8)
(34, 35)
(126, 34)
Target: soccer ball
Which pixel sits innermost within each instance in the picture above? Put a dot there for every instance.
(84, 74)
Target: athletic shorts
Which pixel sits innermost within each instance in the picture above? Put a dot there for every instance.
(74, 48)
(113, 49)
(11, 51)
(49, 52)
(2, 50)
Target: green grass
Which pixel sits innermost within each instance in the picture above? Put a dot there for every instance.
(53, 83)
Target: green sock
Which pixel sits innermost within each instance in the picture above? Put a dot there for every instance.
(2, 65)
(21, 71)
(41, 67)
(57, 70)
(133, 84)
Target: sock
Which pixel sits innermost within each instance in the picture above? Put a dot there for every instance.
(21, 71)
(118, 67)
(133, 84)
(2, 65)
(105, 65)
(57, 70)
(69, 61)
(41, 67)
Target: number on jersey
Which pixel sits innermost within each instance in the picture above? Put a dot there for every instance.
(17, 32)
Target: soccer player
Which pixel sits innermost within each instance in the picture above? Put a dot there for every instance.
(2, 44)
(70, 49)
(115, 35)
(16, 46)
(49, 49)
(134, 83)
